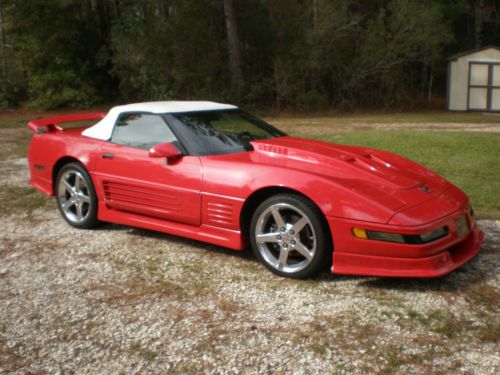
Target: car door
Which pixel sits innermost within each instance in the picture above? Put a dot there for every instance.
(131, 181)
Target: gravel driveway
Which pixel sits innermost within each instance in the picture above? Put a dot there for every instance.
(124, 300)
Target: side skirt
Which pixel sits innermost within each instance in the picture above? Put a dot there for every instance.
(218, 236)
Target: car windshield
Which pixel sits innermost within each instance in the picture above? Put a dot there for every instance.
(219, 132)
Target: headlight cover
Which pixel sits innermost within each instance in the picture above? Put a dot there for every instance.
(411, 239)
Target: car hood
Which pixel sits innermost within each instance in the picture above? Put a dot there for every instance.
(392, 180)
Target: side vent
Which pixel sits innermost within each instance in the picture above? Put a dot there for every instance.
(219, 213)
(137, 196)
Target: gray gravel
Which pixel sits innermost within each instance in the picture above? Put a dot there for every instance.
(125, 300)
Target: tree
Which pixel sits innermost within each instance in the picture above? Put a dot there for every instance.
(66, 57)
(170, 50)
(234, 49)
(3, 43)
(289, 54)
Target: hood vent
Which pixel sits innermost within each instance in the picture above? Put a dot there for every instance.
(366, 163)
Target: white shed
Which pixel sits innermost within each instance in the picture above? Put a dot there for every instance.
(474, 80)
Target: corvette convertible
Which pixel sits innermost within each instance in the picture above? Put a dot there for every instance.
(214, 173)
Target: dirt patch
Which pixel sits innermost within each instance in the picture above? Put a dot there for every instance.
(13, 143)
(311, 126)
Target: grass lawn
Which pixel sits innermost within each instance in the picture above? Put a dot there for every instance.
(471, 160)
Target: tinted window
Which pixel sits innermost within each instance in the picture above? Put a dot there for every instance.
(141, 131)
(219, 132)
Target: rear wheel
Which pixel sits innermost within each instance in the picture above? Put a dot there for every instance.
(288, 236)
(76, 196)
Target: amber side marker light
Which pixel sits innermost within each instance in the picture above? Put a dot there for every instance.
(359, 233)
(411, 239)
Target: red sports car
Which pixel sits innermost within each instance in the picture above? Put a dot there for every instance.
(214, 173)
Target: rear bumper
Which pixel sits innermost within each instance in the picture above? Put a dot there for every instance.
(42, 185)
(376, 258)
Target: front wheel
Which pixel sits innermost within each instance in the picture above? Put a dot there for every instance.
(288, 236)
(76, 196)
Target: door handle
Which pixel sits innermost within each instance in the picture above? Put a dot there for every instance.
(108, 155)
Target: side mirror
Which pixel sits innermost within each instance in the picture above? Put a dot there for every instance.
(165, 150)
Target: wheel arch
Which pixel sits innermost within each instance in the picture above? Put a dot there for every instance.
(59, 165)
(259, 196)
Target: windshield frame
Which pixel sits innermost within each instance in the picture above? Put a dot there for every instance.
(178, 128)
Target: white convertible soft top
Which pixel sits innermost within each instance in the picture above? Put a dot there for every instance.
(104, 128)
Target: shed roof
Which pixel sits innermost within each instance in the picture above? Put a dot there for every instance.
(470, 52)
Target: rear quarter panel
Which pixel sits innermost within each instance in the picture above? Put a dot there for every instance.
(46, 149)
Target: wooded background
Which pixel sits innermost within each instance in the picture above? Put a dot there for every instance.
(269, 54)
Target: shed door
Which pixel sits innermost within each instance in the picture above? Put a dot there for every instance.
(484, 86)
(495, 89)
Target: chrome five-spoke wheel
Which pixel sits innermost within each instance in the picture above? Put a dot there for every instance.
(73, 194)
(76, 196)
(288, 236)
(285, 237)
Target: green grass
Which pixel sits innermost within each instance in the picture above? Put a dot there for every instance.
(145, 353)
(25, 199)
(15, 119)
(447, 324)
(9, 122)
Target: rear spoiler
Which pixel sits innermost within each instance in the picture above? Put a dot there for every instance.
(52, 123)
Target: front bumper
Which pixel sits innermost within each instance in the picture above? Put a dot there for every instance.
(355, 256)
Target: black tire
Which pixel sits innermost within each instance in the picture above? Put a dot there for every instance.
(76, 197)
(297, 245)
